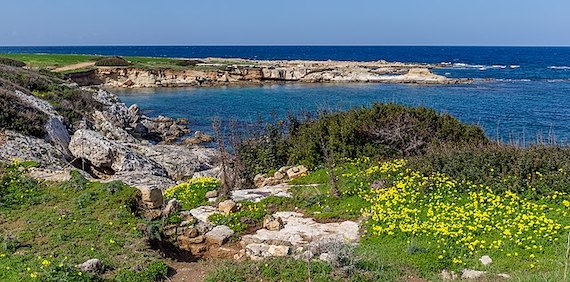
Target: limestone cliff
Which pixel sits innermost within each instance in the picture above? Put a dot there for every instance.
(246, 71)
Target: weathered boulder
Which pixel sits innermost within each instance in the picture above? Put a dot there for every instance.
(211, 194)
(179, 161)
(14, 145)
(152, 197)
(57, 133)
(227, 206)
(106, 154)
(259, 179)
(273, 223)
(219, 235)
(94, 266)
(485, 260)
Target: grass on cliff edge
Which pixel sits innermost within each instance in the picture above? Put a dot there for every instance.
(48, 228)
(51, 61)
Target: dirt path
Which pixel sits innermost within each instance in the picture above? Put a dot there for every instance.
(190, 271)
(75, 66)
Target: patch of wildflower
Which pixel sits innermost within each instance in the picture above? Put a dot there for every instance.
(466, 219)
(192, 193)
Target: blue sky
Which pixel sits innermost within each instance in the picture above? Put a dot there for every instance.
(291, 22)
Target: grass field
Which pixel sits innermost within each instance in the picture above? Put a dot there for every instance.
(53, 61)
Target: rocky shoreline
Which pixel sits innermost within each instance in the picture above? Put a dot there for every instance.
(210, 72)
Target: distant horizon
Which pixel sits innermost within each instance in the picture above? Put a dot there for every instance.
(285, 45)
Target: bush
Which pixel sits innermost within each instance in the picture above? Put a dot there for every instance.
(12, 62)
(381, 131)
(114, 61)
(192, 194)
(502, 167)
(186, 63)
(18, 116)
(156, 271)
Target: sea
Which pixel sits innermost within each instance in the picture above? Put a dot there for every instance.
(520, 94)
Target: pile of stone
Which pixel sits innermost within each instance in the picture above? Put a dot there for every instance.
(283, 175)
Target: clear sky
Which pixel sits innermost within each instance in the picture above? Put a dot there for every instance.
(290, 22)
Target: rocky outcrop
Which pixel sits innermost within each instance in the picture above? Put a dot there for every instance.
(15, 145)
(56, 130)
(211, 73)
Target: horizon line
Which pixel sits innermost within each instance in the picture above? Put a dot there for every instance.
(285, 45)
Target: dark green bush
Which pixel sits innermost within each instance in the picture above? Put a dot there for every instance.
(382, 131)
(12, 62)
(114, 61)
(186, 63)
(18, 116)
(502, 167)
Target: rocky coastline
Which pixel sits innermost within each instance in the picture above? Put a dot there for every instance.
(220, 72)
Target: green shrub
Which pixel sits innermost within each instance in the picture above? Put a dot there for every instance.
(382, 131)
(114, 61)
(502, 167)
(249, 215)
(12, 62)
(186, 63)
(192, 194)
(18, 116)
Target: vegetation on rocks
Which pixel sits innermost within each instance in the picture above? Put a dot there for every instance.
(192, 193)
(11, 62)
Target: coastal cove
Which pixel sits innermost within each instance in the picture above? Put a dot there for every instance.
(518, 110)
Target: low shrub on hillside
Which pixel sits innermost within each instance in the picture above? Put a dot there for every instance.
(114, 61)
(192, 193)
(71, 102)
(502, 167)
(382, 131)
(18, 116)
(186, 63)
(12, 62)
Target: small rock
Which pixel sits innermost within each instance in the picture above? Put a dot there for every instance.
(504, 275)
(278, 251)
(448, 275)
(227, 206)
(273, 223)
(327, 257)
(211, 194)
(278, 175)
(485, 260)
(219, 235)
(472, 274)
(152, 197)
(297, 171)
(259, 179)
(171, 207)
(91, 266)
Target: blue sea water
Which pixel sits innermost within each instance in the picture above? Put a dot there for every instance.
(529, 94)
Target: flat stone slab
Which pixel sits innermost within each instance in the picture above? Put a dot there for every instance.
(258, 194)
(202, 213)
(301, 231)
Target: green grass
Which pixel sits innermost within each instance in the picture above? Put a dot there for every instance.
(50, 60)
(42, 61)
(56, 226)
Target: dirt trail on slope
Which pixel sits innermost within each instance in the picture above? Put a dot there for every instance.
(75, 66)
